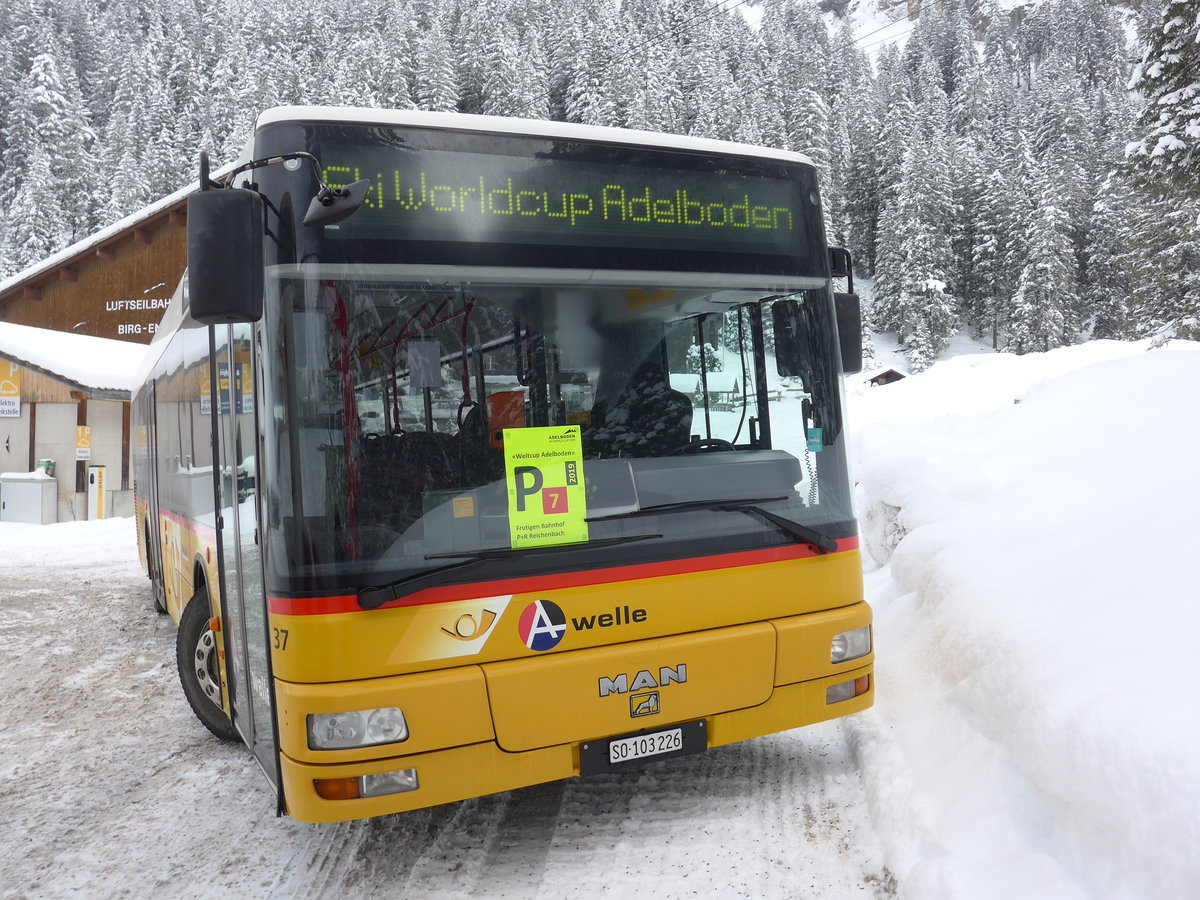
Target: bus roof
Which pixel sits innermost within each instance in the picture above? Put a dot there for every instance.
(525, 127)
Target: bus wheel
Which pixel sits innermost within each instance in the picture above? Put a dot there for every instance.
(199, 669)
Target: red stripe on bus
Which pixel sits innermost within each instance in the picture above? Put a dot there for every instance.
(205, 532)
(347, 603)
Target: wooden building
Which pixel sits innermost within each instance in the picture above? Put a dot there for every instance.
(66, 398)
(887, 376)
(115, 283)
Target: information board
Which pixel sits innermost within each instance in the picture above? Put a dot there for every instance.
(10, 389)
(421, 195)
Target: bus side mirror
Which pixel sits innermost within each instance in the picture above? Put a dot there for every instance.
(849, 324)
(225, 256)
(840, 265)
(791, 339)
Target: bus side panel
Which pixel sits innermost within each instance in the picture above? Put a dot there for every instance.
(175, 457)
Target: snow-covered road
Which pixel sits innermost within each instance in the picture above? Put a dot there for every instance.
(111, 788)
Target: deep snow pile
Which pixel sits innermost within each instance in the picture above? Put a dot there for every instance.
(1036, 723)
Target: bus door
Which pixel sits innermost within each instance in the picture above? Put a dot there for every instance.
(243, 603)
(149, 471)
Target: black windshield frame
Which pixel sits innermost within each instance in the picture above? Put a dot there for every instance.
(295, 244)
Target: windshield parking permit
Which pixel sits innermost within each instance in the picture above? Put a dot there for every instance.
(543, 474)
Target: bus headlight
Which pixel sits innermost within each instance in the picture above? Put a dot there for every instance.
(850, 644)
(361, 728)
(389, 783)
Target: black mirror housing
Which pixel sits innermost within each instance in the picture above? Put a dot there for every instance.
(225, 256)
(840, 265)
(790, 338)
(849, 324)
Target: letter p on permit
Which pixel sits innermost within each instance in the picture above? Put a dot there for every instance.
(528, 481)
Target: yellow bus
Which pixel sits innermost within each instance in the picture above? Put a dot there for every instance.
(483, 452)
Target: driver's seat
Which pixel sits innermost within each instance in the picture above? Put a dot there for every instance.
(649, 418)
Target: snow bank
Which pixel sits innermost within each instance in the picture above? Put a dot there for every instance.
(1035, 674)
(87, 542)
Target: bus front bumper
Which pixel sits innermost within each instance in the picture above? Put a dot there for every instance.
(477, 769)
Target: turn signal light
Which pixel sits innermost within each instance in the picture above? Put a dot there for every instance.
(847, 690)
(397, 782)
(336, 788)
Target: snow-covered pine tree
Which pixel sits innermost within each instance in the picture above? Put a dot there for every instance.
(1047, 289)
(48, 120)
(36, 226)
(1169, 77)
(436, 88)
(1166, 161)
(712, 359)
(915, 232)
(1106, 295)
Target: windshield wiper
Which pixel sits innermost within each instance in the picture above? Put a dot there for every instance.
(510, 552)
(751, 507)
(375, 597)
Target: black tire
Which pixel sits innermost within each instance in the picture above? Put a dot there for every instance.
(199, 673)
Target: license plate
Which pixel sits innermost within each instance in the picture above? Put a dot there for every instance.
(612, 754)
(629, 749)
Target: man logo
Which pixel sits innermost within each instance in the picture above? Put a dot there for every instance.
(542, 625)
(644, 705)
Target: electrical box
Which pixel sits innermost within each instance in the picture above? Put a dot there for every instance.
(30, 497)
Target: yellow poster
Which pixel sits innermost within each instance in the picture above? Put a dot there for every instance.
(10, 389)
(83, 442)
(543, 469)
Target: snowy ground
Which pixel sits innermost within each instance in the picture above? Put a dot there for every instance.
(1033, 524)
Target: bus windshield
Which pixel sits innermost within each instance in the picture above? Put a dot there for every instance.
(389, 396)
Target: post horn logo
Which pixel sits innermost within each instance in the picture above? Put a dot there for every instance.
(466, 627)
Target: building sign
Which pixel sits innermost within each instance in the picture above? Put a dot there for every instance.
(83, 442)
(10, 389)
(141, 306)
(543, 470)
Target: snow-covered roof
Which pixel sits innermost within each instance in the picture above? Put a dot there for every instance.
(91, 363)
(527, 127)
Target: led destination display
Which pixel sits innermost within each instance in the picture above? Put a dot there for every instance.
(419, 195)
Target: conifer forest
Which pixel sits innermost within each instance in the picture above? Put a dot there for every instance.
(1028, 171)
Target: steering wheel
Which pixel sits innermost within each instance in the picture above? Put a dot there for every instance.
(697, 446)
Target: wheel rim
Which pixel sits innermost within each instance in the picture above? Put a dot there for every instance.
(206, 667)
